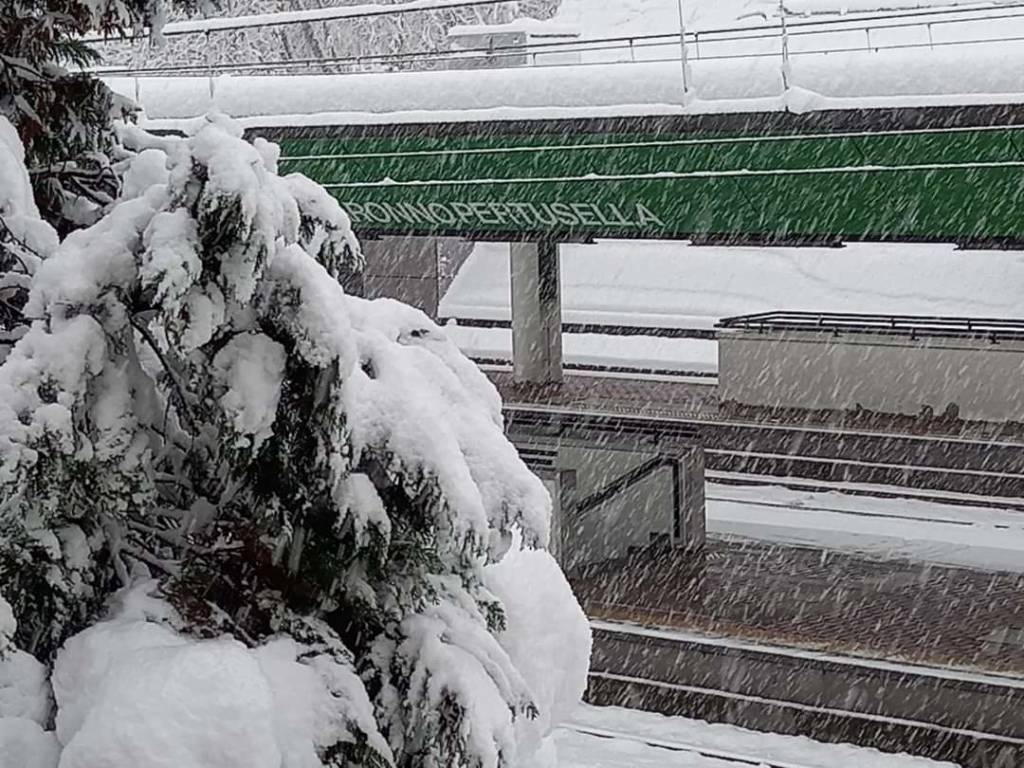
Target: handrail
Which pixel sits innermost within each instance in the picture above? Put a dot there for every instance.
(314, 15)
(912, 325)
(567, 424)
(200, 70)
(629, 44)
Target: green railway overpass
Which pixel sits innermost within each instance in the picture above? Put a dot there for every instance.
(941, 174)
(916, 174)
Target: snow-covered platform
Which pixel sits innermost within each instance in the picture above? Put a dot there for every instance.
(645, 284)
(918, 587)
(891, 653)
(816, 597)
(615, 737)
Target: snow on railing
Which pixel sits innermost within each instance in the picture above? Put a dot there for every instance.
(791, 37)
(989, 328)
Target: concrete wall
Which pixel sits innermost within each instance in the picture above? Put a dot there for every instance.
(627, 521)
(631, 520)
(403, 268)
(416, 270)
(889, 374)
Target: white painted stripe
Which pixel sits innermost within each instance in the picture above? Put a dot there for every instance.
(677, 175)
(996, 680)
(648, 144)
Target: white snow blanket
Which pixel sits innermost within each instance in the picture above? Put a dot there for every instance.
(134, 689)
(648, 283)
(131, 691)
(834, 61)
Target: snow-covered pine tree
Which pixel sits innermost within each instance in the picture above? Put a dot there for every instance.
(62, 114)
(198, 400)
(63, 117)
(24, 238)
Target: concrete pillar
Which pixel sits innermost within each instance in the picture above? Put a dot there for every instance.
(536, 313)
(690, 532)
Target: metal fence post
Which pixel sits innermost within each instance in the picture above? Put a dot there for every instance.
(785, 46)
(682, 51)
(209, 61)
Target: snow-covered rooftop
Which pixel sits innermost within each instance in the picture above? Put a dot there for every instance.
(736, 63)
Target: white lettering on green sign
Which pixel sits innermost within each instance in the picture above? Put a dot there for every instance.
(509, 215)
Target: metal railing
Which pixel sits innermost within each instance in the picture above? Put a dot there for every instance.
(700, 45)
(914, 326)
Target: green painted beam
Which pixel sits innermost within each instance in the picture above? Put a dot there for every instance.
(947, 183)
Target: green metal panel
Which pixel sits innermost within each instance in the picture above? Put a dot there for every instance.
(958, 183)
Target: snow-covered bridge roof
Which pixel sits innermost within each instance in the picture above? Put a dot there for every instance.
(968, 75)
(929, 58)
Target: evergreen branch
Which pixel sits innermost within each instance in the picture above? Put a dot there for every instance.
(167, 536)
(171, 373)
(13, 309)
(95, 195)
(23, 66)
(121, 569)
(167, 477)
(174, 514)
(176, 539)
(70, 169)
(169, 567)
(9, 235)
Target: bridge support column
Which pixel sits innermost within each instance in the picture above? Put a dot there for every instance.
(536, 313)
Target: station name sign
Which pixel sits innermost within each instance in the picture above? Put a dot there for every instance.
(508, 215)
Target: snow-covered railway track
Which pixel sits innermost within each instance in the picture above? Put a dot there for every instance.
(959, 467)
(726, 759)
(968, 718)
(945, 498)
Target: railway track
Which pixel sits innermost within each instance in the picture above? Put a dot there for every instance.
(965, 466)
(1003, 503)
(726, 759)
(957, 465)
(972, 720)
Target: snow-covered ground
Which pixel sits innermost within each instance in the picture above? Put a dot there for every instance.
(647, 353)
(677, 285)
(646, 740)
(673, 284)
(926, 531)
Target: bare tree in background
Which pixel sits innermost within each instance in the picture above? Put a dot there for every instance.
(321, 41)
